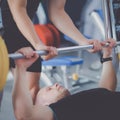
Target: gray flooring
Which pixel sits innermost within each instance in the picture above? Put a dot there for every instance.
(87, 70)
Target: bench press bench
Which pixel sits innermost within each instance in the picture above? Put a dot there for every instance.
(61, 68)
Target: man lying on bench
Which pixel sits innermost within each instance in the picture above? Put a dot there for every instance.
(56, 103)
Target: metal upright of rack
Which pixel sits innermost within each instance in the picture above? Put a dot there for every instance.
(111, 10)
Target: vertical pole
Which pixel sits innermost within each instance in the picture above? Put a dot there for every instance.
(107, 18)
(109, 30)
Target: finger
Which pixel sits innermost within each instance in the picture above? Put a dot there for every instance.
(54, 51)
(97, 46)
(26, 51)
(91, 50)
(111, 43)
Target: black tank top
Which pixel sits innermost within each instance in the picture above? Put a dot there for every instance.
(32, 6)
(94, 104)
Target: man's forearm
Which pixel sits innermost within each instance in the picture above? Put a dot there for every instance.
(108, 76)
(64, 23)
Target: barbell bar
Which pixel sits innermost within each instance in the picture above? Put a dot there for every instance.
(59, 50)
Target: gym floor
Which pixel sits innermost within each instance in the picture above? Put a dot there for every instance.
(90, 69)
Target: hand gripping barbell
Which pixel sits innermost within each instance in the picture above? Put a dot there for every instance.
(4, 57)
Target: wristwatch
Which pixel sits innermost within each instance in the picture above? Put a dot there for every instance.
(105, 59)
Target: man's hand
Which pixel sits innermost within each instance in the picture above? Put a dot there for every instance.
(107, 51)
(30, 57)
(52, 51)
(96, 45)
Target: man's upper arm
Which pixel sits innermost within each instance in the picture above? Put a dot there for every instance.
(55, 7)
(17, 4)
(56, 4)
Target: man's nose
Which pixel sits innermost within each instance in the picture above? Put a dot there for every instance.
(56, 84)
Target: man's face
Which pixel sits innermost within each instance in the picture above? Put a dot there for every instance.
(52, 94)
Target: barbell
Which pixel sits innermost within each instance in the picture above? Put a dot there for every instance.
(59, 50)
(4, 57)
